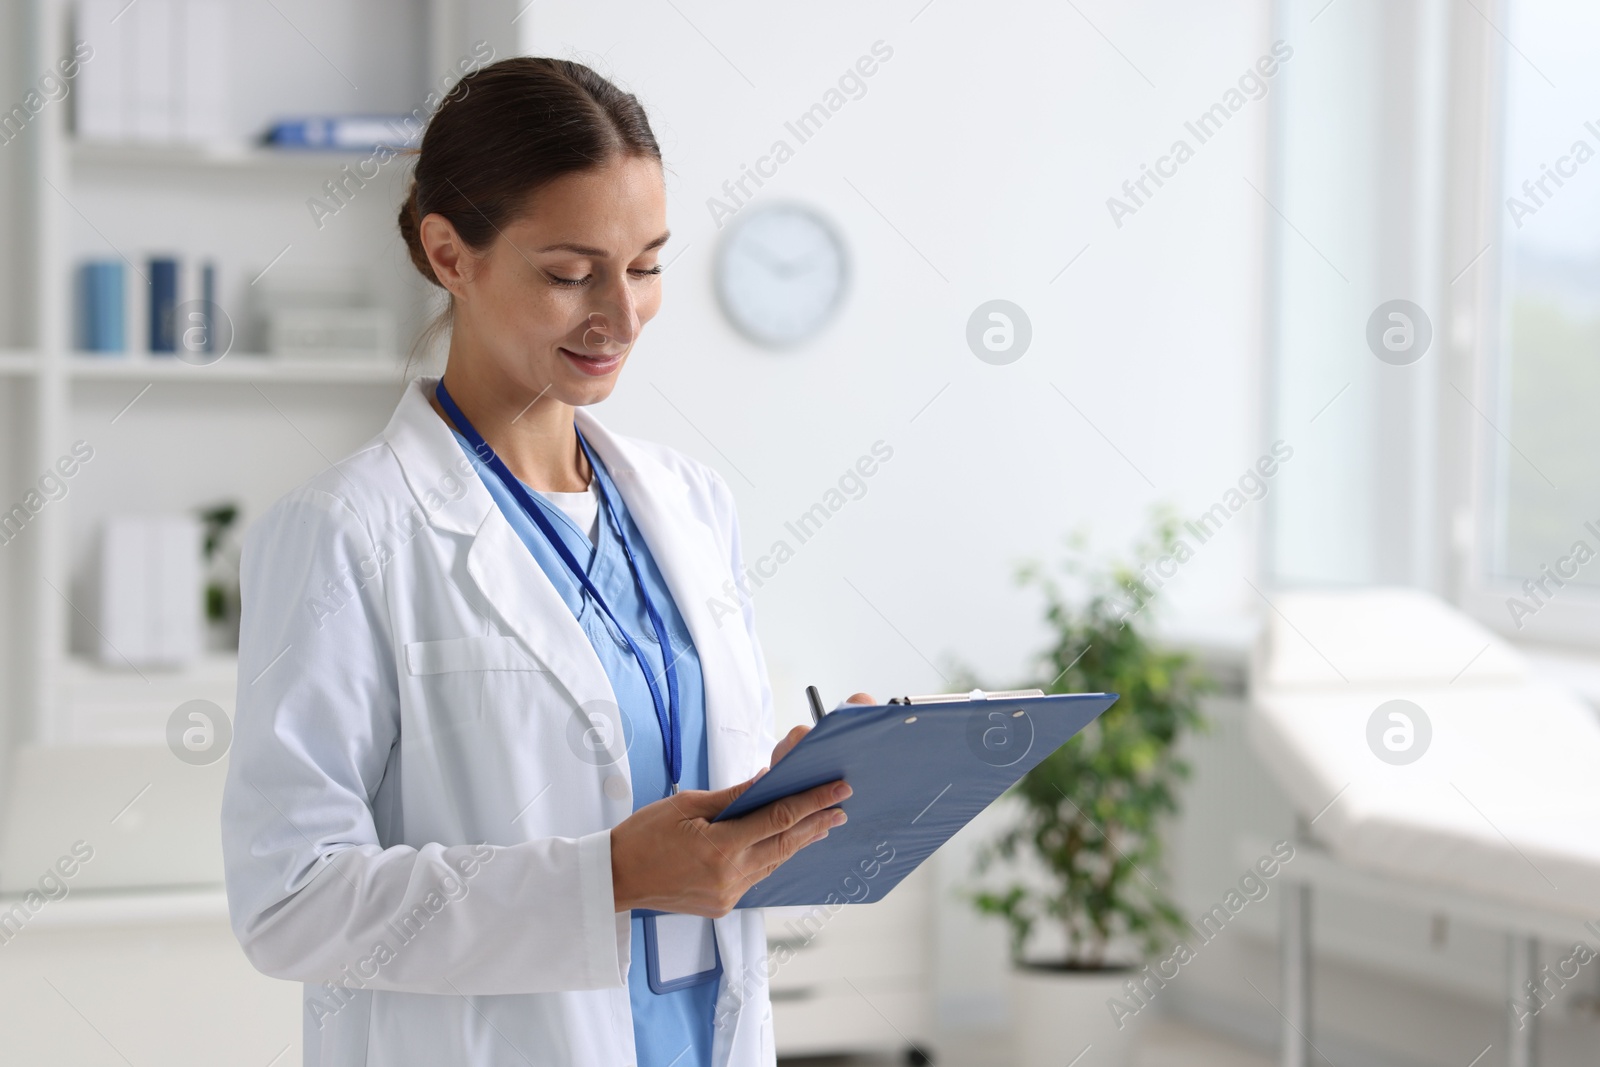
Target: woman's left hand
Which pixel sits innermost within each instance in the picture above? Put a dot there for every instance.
(792, 738)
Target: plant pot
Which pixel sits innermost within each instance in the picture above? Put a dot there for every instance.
(1057, 1012)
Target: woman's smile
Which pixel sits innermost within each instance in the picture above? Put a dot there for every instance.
(596, 364)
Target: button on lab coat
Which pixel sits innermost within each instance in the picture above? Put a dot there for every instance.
(416, 824)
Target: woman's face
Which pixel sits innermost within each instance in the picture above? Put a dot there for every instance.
(554, 305)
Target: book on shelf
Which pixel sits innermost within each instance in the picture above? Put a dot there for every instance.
(101, 318)
(163, 304)
(172, 309)
(158, 73)
(149, 590)
(206, 338)
(343, 132)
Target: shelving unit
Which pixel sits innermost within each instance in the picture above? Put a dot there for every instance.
(167, 435)
(236, 368)
(197, 159)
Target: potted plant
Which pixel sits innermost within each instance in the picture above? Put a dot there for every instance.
(221, 555)
(1084, 901)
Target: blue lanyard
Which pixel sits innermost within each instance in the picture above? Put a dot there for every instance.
(666, 712)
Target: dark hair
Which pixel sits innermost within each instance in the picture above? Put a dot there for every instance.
(505, 131)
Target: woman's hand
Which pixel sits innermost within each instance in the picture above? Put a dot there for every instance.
(669, 856)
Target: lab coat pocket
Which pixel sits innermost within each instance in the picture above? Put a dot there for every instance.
(452, 674)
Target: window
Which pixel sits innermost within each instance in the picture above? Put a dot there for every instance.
(1544, 476)
(1539, 512)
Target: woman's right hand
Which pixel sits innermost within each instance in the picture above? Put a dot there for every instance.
(669, 856)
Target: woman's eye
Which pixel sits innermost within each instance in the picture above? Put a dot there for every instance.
(556, 279)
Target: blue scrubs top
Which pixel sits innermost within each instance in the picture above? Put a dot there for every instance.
(669, 1029)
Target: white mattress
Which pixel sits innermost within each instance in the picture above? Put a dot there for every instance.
(1506, 799)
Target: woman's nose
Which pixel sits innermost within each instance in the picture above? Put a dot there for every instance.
(615, 323)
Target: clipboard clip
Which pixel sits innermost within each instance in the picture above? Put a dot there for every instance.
(814, 699)
(976, 694)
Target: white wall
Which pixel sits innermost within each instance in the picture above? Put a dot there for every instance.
(990, 141)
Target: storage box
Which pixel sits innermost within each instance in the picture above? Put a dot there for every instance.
(331, 333)
(150, 591)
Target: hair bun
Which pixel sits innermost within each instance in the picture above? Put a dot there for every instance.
(411, 232)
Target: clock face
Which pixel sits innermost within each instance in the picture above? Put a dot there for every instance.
(781, 274)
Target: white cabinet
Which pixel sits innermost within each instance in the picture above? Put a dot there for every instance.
(140, 978)
(856, 979)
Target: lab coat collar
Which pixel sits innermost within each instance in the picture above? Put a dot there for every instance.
(433, 463)
(683, 544)
(455, 500)
(430, 455)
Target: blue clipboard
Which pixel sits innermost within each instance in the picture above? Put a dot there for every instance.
(919, 772)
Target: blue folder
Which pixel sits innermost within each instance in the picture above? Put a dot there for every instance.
(919, 772)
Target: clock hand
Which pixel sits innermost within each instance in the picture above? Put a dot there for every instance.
(762, 255)
(783, 268)
(798, 266)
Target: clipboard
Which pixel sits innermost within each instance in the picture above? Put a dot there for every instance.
(920, 769)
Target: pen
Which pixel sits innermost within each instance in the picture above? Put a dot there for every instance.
(814, 698)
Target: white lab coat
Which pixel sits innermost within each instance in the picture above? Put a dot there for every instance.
(413, 825)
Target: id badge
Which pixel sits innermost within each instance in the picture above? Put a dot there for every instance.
(680, 951)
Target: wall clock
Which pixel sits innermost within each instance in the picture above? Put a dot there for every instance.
(781, 273)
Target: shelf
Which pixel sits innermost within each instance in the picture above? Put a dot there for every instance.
(111, 704)
(234, 159)
(89, 908)
(211, 667)
(236, 368)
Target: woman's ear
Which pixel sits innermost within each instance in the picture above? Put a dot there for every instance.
(448, 254)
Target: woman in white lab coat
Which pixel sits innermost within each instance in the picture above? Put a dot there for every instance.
(479, 657)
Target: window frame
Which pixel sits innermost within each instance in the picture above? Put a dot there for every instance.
(1470, 455)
